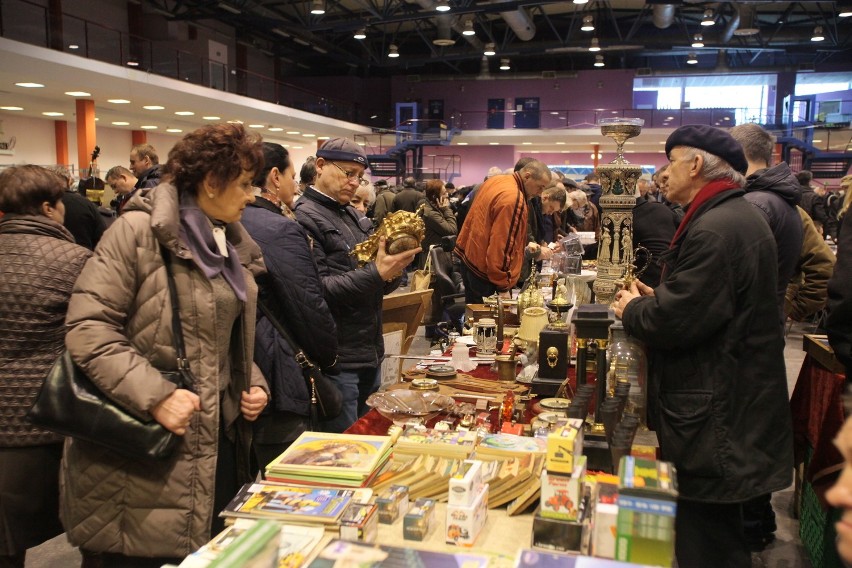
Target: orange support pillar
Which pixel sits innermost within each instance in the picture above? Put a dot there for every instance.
(138, 137)
(60, 127)
(85, 132)
(596, 148)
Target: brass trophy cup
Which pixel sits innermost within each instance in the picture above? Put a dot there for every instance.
(618, 184)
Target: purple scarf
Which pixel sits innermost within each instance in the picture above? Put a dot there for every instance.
(196, 230)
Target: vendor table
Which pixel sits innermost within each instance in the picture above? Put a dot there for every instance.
(817, 411)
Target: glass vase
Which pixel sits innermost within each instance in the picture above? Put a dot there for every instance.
(627, 362)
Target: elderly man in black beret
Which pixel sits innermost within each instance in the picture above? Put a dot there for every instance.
(717, 391)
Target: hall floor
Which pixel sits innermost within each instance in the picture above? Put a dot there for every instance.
(785, 552)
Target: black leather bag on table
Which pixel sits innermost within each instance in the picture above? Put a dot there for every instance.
(326, 398)
(71, 405)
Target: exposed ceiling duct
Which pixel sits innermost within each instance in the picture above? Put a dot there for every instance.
(520, 23)
(663, 15)
(733, 25)
(748, 21)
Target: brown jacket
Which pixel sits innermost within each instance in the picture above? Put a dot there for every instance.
(119, 332)
(39, 263)
(493, 236)
(808, 289)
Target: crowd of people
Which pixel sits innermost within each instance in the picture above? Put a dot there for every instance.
(734, 250)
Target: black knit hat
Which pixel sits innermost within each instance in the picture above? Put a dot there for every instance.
(344, 150)
(713, 141)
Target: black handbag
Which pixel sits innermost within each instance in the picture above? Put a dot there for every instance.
(326, 398)
(71, 405)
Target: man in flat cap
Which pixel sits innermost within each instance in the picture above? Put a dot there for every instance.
(717, 391)
(354, 295)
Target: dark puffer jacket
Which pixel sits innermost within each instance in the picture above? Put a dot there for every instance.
(39, 263)
(717, 387)
(354, 294)
(294, 292)
(776, 192)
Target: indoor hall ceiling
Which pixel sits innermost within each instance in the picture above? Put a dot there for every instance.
(535, 36)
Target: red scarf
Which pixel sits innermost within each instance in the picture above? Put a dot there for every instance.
(705, 194)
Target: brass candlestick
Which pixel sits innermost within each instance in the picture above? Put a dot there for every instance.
(618, 183)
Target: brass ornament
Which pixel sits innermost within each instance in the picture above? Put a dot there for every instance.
(552, 356)
(402, 230)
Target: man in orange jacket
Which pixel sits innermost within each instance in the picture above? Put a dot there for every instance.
(492, 241)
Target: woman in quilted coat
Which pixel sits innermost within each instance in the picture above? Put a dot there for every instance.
(129, 513)
(39, 263)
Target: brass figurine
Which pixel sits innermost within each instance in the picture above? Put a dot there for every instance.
(403, 231)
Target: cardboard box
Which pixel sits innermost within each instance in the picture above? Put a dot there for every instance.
(465, 523)
(560, 534)
(418, 522)
(466, 484)
(561, 494)
(604, 516)
(392, 503)
(563, 445)
(360, 522)
(647, 504)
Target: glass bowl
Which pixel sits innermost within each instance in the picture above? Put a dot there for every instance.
(405, 406)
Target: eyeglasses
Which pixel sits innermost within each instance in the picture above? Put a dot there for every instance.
(351, 175)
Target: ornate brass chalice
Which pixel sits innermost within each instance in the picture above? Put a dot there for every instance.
(618, 183)
(402, 230)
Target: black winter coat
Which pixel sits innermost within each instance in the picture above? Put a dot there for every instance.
(354, 295)
(293, 291)
(654, 227)
(776, 192)
(409, 199)
(839, 321)
(717, 388)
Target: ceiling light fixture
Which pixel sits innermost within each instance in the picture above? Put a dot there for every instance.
(280, 32)
(817, 34)
(691, 59)
(319, 49)
(53, 114)
(588, 24)
(581, 1)
(185, 113)
(599, 61)
(317, 7)
(698, 40)
(361, 34)
(118, 101)
(174, 130)
(276, 129)
(29, 85)
(148, 127)
(11, 108)
(153, 107)
(73, 46)
(300, 41)
(211, 118)
(845, 10)
(468, 28)
(595, 45)
(78, 94)
(708, 19)
(442, 6)
(120, 123)
(132, 63)
(393, 51)
(504, 65)
(489, 49)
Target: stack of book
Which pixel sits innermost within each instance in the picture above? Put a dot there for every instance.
(301, 505)
(440, 443)
(507, 446)
(331, 460)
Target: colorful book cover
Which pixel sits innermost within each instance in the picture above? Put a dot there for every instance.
(495, 444)
(341, 552)
(287, 503)
(332, 455)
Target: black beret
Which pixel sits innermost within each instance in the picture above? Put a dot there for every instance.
(713, 141)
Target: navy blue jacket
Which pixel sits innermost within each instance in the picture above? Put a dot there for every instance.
(293, 290)
(354, 294)
(776, 192)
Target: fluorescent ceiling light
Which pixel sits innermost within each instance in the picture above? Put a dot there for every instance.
(120, 123)
(294, 132)
(118, 101)
(132, 63)
(307, 135)
(228, 8)
(275, 129)
(78, 94)
(300, 41)
(257, 126)
(29, 85)
(53, 114)
(11, 108)
(185, 113)
(148, 127)
(73, 46)
(153, 107)
(212, 117)
(323, 137)
(280, 32)
(173, 130)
